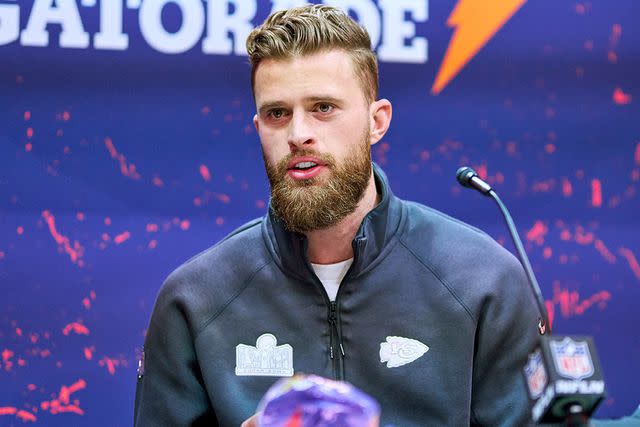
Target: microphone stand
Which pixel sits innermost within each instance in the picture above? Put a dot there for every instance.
(524, 260)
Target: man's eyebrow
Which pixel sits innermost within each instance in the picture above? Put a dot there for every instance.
(325, 98)
(268, 106)
(312, 99)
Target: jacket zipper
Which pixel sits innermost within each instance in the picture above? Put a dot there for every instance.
(336, 349)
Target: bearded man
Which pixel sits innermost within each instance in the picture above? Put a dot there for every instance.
(341, 278)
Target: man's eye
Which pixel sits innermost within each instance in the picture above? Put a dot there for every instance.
(277, 113)
(325, 108)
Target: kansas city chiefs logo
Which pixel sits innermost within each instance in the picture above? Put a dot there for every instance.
(398, 351)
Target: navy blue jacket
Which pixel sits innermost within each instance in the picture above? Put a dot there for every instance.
(417, 274)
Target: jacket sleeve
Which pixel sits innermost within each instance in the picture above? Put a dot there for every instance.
(170, 392)
(506, 333)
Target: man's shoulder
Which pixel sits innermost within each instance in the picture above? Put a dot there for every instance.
(466, 260)
(216, 275)
(242, 242)
(431, 231)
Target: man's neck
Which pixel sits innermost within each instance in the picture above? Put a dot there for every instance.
(333, 244)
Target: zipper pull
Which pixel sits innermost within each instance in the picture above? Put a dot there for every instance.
(332, 324)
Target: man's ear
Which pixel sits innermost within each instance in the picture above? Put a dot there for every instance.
(256, 124)
(380, 113)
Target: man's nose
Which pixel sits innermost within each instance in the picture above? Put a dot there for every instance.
(300, 131)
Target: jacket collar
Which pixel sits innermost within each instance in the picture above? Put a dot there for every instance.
(370, 244)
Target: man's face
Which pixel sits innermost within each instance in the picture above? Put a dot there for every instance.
(315, 130)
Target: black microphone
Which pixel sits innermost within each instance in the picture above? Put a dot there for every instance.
(467, 177)
(563, 374)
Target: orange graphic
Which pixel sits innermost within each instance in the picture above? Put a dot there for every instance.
(475, 23)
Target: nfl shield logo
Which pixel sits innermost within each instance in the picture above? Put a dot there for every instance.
(572, 358)
(536, 374)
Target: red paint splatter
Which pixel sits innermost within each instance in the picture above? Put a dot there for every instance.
(20, 230)
(637, 154)
(537, 232)
(153, 244)
(86, 302)
(20, 414)
(31, 387)
(550, 148)
(583, 238)
(604, 251)
(127, 169)
(6, 358)
(571, 304)
(27, 115)
(19, 332)
(8, 410)
(596, 193)
(219, 220)
(107, 221)
(543, 186)
(204, 172)
(185, 224)
(76, 327)
(29, 132)
(88, 352)
(62, 403)
(567, 189)
(620, 97)
(76, 251)
(80, 216)
(152, 228)
(26, 416)
(547, 252)
(631, 259)
(157, 181)
(260, 204)
(482, 171)
(223, 198)
(111, 364)
(122, 237)
(28, 147)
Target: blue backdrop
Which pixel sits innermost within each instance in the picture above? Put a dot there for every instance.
(126, 146)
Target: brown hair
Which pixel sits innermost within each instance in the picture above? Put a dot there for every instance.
(310, 29)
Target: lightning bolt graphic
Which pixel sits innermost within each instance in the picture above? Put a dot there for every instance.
(476, 21)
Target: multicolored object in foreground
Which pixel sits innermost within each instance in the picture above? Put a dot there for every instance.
(313, 401)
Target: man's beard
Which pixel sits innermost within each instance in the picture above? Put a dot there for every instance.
(320, 202)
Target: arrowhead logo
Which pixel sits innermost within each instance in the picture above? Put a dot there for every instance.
(398, 351)
(475, 23)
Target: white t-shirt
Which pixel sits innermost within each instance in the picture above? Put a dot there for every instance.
(331, 275)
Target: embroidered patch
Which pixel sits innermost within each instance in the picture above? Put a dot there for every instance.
(398, 351)
(266, 359)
